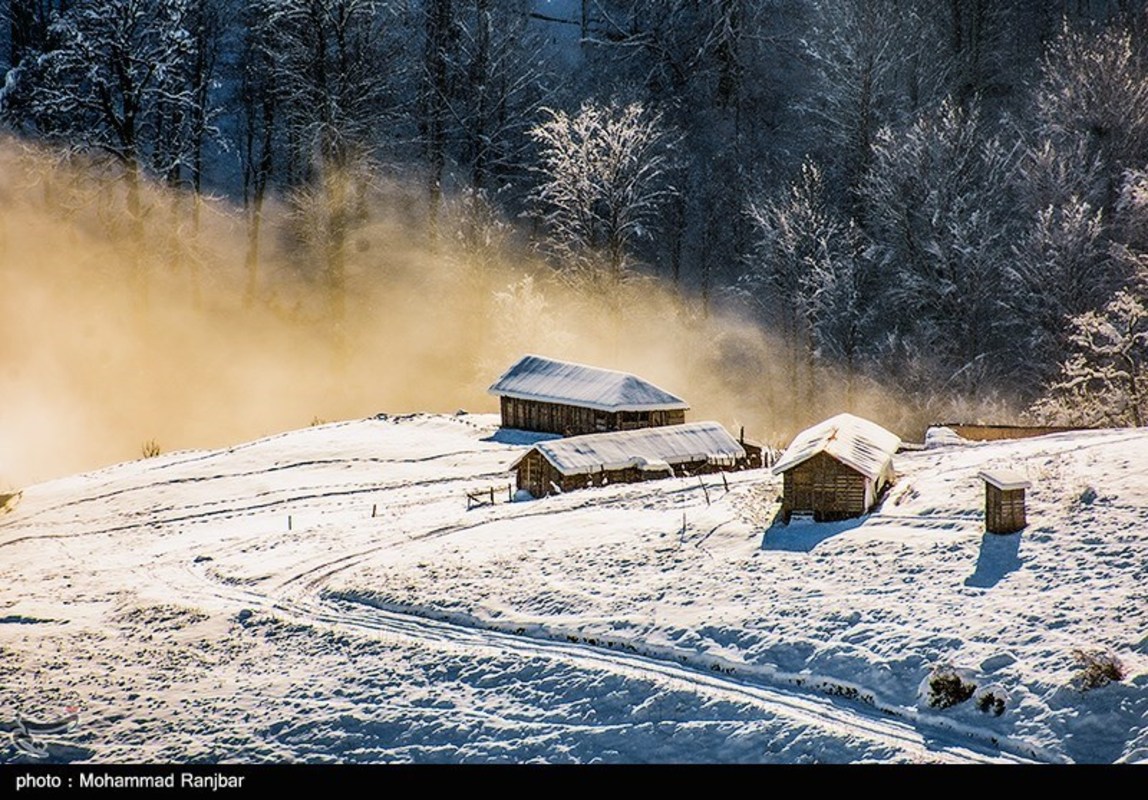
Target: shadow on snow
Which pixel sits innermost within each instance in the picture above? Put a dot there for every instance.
(998, 557)
(801, 536)
(514, 436)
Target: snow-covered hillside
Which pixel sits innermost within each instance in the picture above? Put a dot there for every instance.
(325, 595)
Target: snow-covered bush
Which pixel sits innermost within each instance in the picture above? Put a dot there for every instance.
(947, 688)
(991, 699)
(1096, 668)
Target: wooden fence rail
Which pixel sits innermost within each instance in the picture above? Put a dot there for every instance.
(485, 497)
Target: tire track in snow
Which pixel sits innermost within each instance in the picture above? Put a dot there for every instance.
(799, 707)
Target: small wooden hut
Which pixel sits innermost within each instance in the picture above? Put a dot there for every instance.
(548, 396)
(1004, 500)
(560, 465)
(837, 469)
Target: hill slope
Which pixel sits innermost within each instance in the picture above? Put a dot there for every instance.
(326, 595)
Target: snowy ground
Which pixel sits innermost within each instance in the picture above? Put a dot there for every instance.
(325, 595)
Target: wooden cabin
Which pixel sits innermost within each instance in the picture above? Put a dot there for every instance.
(548, 396)
(1004, 500)
(596, 459)
(837, 469)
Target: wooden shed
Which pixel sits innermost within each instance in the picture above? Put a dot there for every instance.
(549, 396)
(1004, 500)
(837, 469)
(628, 457)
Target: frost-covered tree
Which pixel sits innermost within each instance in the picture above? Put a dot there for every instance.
(838, 300)
(795, 232)
(604, 178)
(331, 73)
(502, 70)
(1060, 269)
(724, 74)
(1131, 222)
(1093, 94)
(119, 78)
(790, 229)
(481, 76)
(329, 81)
(869, 73)
(939, 213)
(1105, 381)
(976, 37)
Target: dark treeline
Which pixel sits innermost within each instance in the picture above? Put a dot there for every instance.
(947, 197)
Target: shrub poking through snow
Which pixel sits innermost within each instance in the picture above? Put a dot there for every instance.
(947, 688)
(150, 448)
(1096, 668)
(991, 700)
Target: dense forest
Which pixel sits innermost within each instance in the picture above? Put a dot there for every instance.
(950, 197)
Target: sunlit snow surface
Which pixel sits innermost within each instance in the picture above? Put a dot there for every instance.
(325, 595)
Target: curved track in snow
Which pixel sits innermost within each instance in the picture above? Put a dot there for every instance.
(300, 599)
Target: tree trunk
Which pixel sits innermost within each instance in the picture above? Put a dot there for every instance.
(261, 176)
(480, 80)
(137, 264)
(439, 17)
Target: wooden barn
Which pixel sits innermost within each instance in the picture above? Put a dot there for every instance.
(836, 469)
(630, 456)
(548, 396)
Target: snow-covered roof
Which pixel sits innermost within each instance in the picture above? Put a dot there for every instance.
(646, 448)
(1005, 479)
(857, 443)
(549, 381)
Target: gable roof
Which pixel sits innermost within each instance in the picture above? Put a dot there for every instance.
(646, 447)
(857, 443)
(549, 381)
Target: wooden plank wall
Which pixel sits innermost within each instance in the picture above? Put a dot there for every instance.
(1004, 509)
(990, 433)
(542, 474)
(824, 487)
(532, 415)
